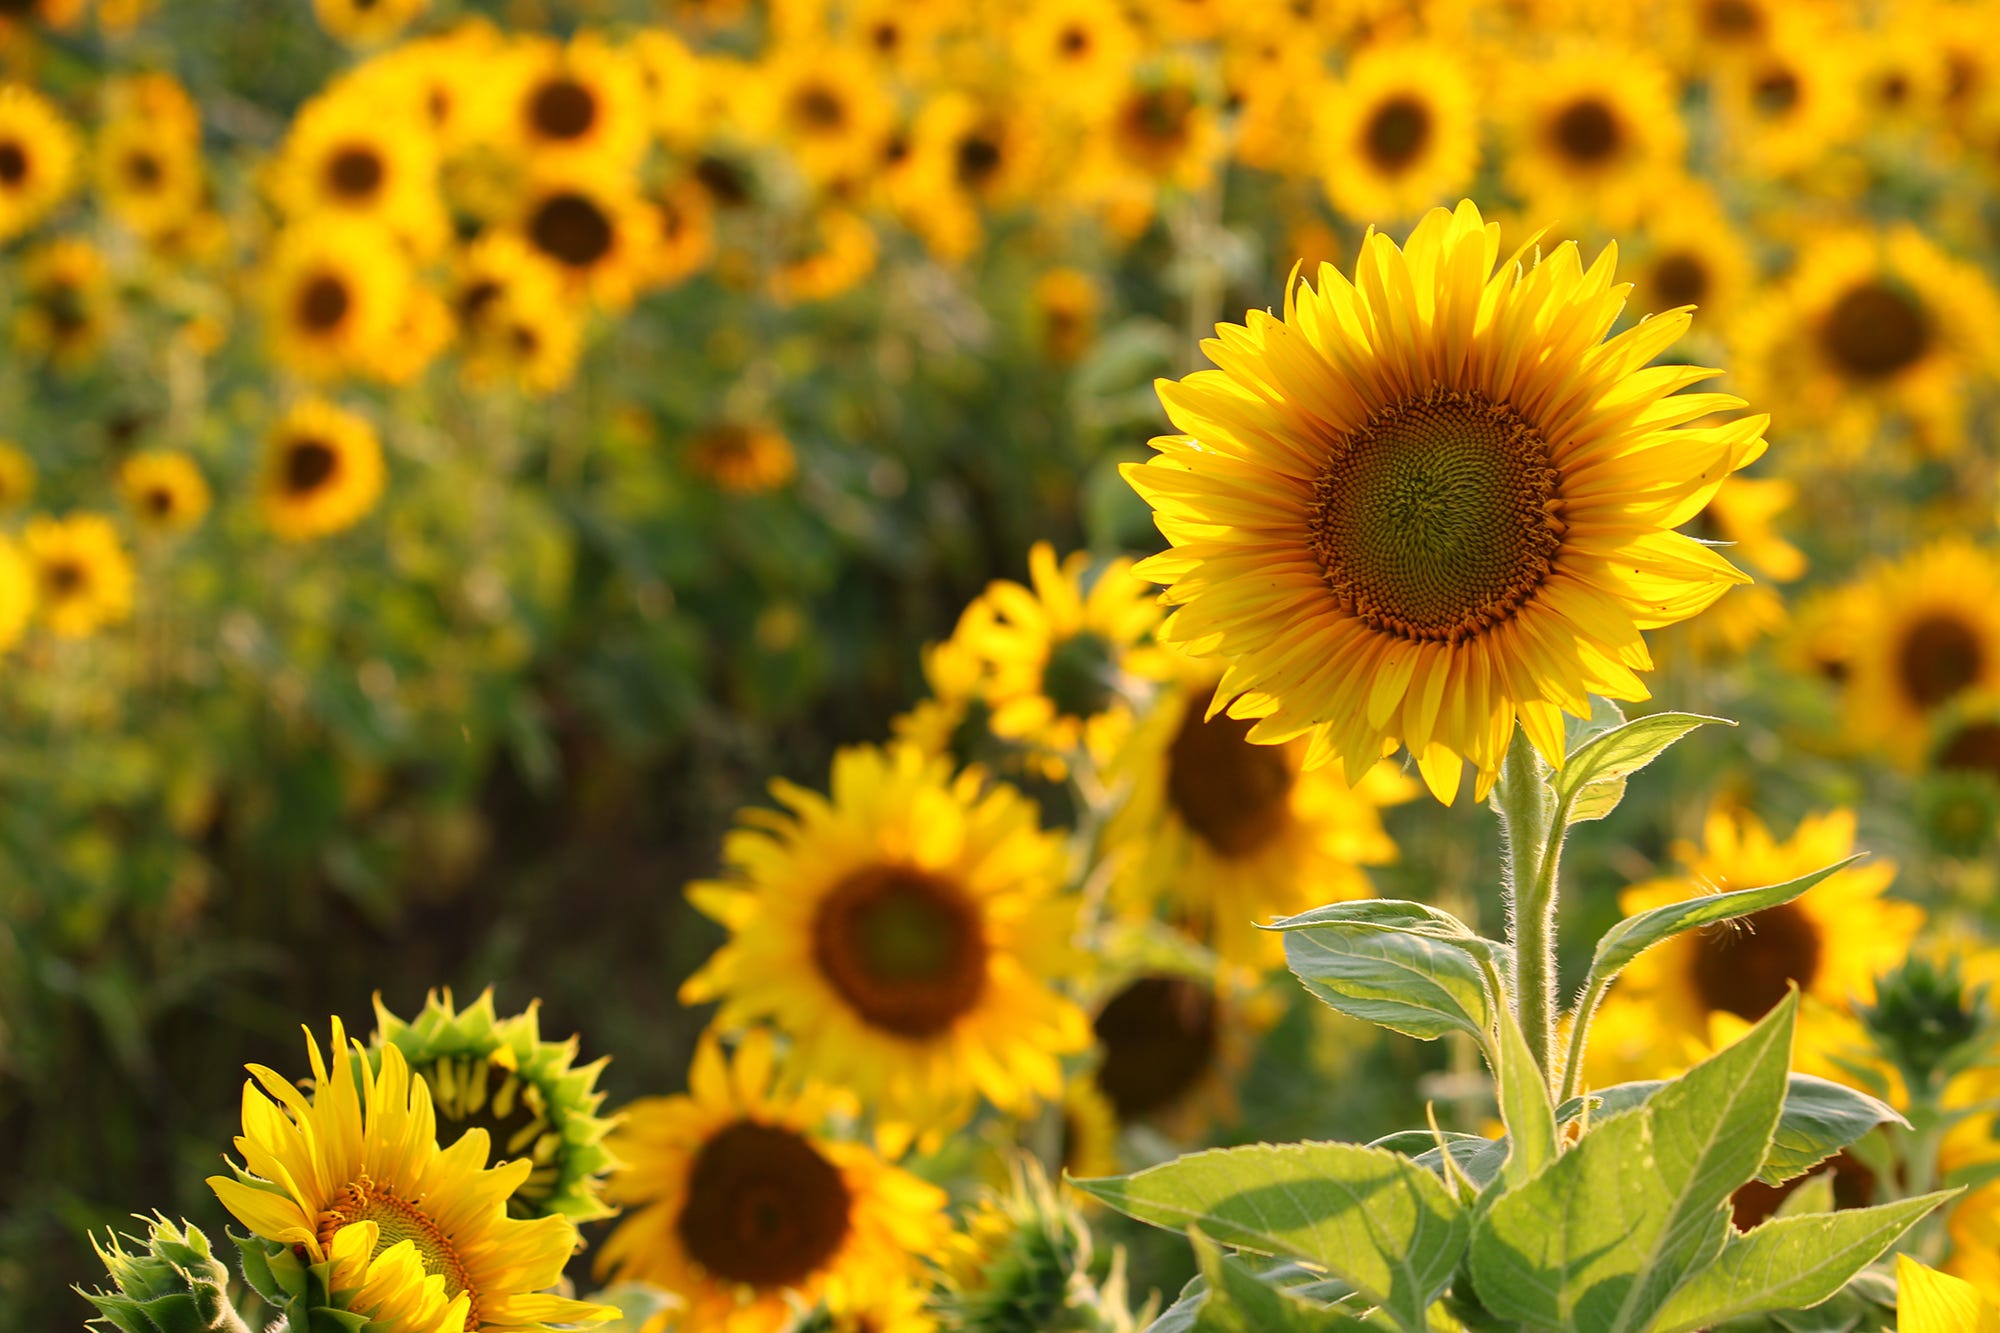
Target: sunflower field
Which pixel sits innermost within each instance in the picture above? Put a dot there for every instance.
(1019, 666)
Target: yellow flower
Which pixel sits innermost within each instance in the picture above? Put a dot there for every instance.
(37, 158)
(1740, 519)
(164, 490)
(345, 157)
(1594, 134)
(17, 593)
(1780, 111)
(68, 302)
(595, 230)
(148, 154)
(1171, 1048)
(685, 223)
(967, 156)
(1163, 128)
(580, 105)
(1421, 507)
(1077, 51)
(515, 318)
(82, 575)
(738, 1205)
(17, 476)
(1400, 133)
(322, 471)
(827, 106)
(418, 1234)
(1693, 255)
(334, 292)
(367, 22)
(745, 458)
(1928, 1301)
(1089, 1131)
(903, 933)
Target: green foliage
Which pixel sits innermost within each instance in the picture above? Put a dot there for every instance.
(1240, 1301)
(1409, 968)
(172, 1283)
(1592, 780)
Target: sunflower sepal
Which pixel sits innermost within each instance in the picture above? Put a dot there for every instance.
(170, 1283)
(301, 1293)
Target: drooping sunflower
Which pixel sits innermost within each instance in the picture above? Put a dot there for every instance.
(577, 104)
(68, 302)
(83, 578)
(322, 471)
(1700, 990)
(1872, 326)
(530, 1096)
(743, 457)
(1923, 633)
(344, 157)
(1594, 133)
(417, 1232)
(1219, 834)
(334, 292)
(1400, 133)
(738, 1205)
(1425, 506)
(164, 489)
(903, 933)
(367, 22)
(37, 158)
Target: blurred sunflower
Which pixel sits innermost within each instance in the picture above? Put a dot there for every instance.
(827, 106)
(1079, 51)
(670, 78)
(322, 471)
(17, 477)
(1873, 325)
(17, 593)
(1223, 834)
(83, 578)
(1171, 1047)
(344, 157)
(1400, 133)
(164, 489)
(685, 225)
(68, 302)
(418, 1235)
(743, 458)
(969, 156)
(515, 319)
(903, 933)
(738, 1205)
(37, 158)
(1163, 127)
(1700, 990)
(595, 229)
(334, 292)
(147, 155)
(46, 13)
(1422, 507)
(577, 105)
(1595, 135)
(1089, 1131)
(530, 1097)
(367, 22)
(821, 253)
(442, 81)
(1066, 302)
(1693, 255)
(1780, 112)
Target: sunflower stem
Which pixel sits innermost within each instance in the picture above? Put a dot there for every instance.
(1527, 810)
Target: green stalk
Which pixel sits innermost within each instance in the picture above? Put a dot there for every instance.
(1527, 810)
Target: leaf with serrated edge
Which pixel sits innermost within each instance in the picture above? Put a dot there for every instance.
(1411, 984)
(1599, 1241)
(1635, 934)
(1525, 1107)
(1239, 1301)
(1625, 750)
(1373, 1219)
(1790, 1263)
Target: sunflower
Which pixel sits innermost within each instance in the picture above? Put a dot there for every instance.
(738, 1205)
(529, 1095)
(1062, 657)
(1925, 632)
(827, 106)
(443, 82)
(903, 933)
(83, 578)
(1223, 834)
(17, 593)
(743, 458)
(901, 39)
(1693, 255)
(1066, 302)
(1701, 989)
(1421, 507)
(418, 1233)
(1740, 517)
(322, 471)
(37, 158)
(1872, 325)
(670, 76)
(821, 254)
(514, 317)
(1400, 132)
(69, 302)
(164, 489)
(334, 292)
(17, 477)
(147, 155)
(47, 13)
(1089, 1131)
(367, 22)
(1780, 112)
(1929, 1301)
(1707, 34)
(583, 103)
(343, 157)
(595, 229)
(1163, 128)
(1171, 1046)
(1078, 51)
(685, 223)
(967, 156)
(1595, 130)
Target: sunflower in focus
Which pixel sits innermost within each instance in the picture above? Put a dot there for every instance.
(344, 158)
(1221, 834)
(580, 104)
(1699, 991)
(903, 932)
(164, 489)
(418, 1235)
(367, 22)
(1400, 132)
(743, 458)
(322, 471)
(17, 477)
(37, 158)
(1426, 506)
(83, 578)
(334, 293)
(67, 303)
(1871, 326)
(1595, 133)
(736, 1203)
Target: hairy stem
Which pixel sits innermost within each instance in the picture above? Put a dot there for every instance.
(1528, 819)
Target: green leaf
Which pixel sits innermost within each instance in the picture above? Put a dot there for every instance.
(1596, 801)
(1790, 1263)
(1377, 1221)
(1525, 1107)
(1635, 934)
(1397, 914)
(1409, 983)
(1813, 1195)
(1611, 756)
(1820, 1118)
(1598, 1242)
(1239, 1301)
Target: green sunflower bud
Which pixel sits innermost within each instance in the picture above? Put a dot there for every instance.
(1927, 1021)
(1958, 812)
(529, 1096)
(171, 1283)
(1024, 1264)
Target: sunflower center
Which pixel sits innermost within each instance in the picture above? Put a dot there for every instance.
(309, 464)
(904, 947)
(1230, 792)
(818, 108)
(977, 160)
(1074, 41)
(1940, 656)
(323, 303)
(724, 181)
(355, 173)
(563, 109)
(474, 1092)
(1974, 747)
(476, 299)
(1681, 278)
(1159, 1038)
(572, 229)
(1157, 120)
(1745, 970)
(763, 1208)
(1437, 520)
(1731, 20)
(1586, 132)
(62, 304)
(1776, 91)
(397, 1219)
(64, 578)
(1080, 677)
(13, 163)
(885, 36)
(1397, 133)
(1874, 330)
(143, 169)
(158, 501)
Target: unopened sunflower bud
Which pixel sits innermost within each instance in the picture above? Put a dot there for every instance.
(1927, 1020)
(1024, 1265)
(171, 1283)
(1959, 812)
